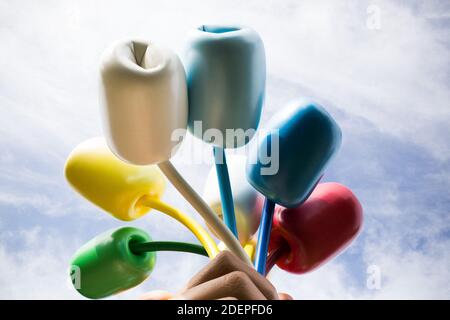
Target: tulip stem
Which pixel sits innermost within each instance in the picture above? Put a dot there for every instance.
(204, 210)
(226, 195)
(201, 234)
(275, 255)
(264, 236)
(142, 247)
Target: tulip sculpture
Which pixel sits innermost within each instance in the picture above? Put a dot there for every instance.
(147, 103)
(226, 76)
(305, 138)
(120, 259)
(145, 108)
(305, 237)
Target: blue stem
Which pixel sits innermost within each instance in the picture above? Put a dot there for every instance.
(226, 196)
(264, 236)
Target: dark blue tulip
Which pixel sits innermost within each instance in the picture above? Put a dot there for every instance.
(308, 137)
(226, 75)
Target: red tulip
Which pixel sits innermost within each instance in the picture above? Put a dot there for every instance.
(304, 238)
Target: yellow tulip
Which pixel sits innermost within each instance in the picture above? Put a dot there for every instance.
(110, 183)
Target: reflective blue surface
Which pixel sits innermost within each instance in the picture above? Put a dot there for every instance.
(308, 137)
(226, 194)
(262, 245)
(226, 75)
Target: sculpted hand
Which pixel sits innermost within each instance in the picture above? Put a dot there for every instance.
(226, 278)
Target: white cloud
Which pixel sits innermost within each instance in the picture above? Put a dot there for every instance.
(411, 273)
(38, 270)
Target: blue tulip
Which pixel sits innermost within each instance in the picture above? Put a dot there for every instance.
(226, 77)
(308, 137)
(303, 139)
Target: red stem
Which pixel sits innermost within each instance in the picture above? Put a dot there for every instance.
(276, 254)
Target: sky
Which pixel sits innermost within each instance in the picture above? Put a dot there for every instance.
(381, 68)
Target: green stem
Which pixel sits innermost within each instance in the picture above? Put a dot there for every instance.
(141, 247)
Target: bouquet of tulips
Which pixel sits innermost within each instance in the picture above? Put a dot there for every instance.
(268, 207)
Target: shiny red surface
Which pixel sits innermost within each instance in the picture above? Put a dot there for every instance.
(318, 230)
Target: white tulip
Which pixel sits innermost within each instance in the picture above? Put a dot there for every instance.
(143, 101)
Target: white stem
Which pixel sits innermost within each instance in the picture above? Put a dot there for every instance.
(203, 209)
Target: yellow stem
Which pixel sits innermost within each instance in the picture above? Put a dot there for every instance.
(201, 234)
